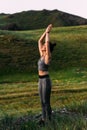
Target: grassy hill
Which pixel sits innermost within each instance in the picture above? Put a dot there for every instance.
(19, 50)
(28, 20)
(19, 98)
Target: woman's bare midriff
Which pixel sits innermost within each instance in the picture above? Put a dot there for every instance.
(41, 73)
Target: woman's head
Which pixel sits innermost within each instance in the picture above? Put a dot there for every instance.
(52, 45)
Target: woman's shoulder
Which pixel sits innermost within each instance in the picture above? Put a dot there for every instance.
(47, 59)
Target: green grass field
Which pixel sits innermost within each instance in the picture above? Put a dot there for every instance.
(19, 88)
(20, 94)
(69, 91)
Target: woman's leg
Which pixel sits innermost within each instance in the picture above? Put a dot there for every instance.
(45, 92)
(48, 94)
(42, 99)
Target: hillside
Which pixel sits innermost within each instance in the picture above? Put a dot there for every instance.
(28, 20)
(19, 52)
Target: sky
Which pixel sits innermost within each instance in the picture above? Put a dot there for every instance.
(75, 7)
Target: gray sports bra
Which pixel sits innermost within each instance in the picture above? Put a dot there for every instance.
(41, 65)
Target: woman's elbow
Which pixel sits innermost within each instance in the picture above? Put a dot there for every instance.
(39, 41)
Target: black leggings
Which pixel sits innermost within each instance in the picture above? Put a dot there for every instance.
(45, 92)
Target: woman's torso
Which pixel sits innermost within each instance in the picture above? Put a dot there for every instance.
(42, 67)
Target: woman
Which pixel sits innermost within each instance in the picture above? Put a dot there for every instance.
(45, 50)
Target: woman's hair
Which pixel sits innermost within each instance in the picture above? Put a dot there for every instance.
(52, 45)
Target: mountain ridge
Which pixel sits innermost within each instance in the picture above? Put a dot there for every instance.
(38, 19)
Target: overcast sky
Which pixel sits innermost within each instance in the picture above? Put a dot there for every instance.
(76, 7)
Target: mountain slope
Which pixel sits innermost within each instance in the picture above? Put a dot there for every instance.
(28, 20)
(19, 50)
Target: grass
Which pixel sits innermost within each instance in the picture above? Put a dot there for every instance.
(18, 92)
(19, 80)
(19, 97)
(19, 53)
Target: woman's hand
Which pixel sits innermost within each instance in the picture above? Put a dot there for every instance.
(48, 29)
